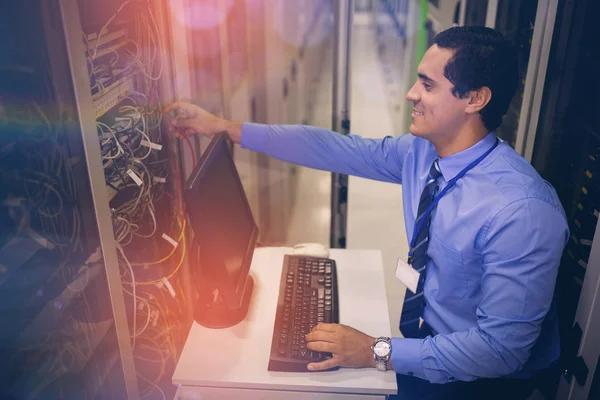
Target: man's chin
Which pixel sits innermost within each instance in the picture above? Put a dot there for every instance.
(415, 131)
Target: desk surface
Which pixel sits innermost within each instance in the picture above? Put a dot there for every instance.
(237, 357)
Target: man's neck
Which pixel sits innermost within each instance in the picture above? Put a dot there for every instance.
(447, 146)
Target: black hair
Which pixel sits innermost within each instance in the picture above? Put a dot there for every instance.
(482, 57)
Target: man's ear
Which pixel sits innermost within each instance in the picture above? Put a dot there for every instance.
(478, 99)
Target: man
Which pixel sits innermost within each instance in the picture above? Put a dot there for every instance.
(487, 232)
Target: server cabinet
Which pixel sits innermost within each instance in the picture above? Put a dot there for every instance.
(566, 151)
(104, 304)
(68, 335)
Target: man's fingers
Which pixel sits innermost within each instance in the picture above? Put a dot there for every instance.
(180, 110)
(325, 347)
(325, 327)
(171, 107)
(323, 336)
(181, 123)
(320, 366)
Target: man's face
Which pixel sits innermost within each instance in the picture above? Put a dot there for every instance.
(437, 114)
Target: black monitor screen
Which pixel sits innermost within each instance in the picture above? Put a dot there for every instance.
(223, 225)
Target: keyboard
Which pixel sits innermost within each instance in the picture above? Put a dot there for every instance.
(307, 296)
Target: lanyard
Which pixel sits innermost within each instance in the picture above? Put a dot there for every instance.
(449, 186)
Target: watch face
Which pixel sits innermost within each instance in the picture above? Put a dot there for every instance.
(381, 349)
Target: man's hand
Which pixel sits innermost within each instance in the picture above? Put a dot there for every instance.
(186, 118)
(349, 347)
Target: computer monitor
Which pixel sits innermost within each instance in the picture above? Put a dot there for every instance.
(225, 235)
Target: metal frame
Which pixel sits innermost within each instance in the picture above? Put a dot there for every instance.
(67, 16)
(536, 77)
(490, 15)
(463, 13)
(172, 90)
(588, 317)
(344, 12)
(183, 84)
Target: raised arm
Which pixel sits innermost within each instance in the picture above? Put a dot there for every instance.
(319, 148)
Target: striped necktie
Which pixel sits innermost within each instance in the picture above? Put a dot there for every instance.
(412, 310)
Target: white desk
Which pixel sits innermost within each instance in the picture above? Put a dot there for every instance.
(232, 363)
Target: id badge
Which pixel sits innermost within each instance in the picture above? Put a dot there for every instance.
(407, 275)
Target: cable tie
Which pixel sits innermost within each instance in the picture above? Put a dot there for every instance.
(156, 315)
(159, 179)
(41, 240)
(168, 285)
(170, 240)
(135, 178)
(13, 202)
(141, 305)
(154, 146)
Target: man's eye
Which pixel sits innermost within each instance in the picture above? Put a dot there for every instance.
(427, 87)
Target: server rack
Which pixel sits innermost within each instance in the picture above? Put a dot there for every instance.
(110, 73)
(94, 207)
(567, 147)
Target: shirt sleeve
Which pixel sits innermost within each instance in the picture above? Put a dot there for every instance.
(319, 148)
(521, 251)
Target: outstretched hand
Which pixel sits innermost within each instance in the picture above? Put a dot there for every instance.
(187, 119)
(349, 347)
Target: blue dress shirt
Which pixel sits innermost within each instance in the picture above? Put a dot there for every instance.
(496, 240)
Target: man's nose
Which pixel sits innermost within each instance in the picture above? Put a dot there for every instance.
(412, 95)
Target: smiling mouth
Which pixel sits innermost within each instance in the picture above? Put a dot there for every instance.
(417, 113)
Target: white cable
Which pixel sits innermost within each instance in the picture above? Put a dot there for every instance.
(154, 385)
(112, 132)
(158, 37)
(133, 292)
(151, 211)
(105, 26)
(147, 318)
(116, 60)
(149, 148)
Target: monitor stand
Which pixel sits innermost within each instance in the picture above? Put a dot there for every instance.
(217, 315)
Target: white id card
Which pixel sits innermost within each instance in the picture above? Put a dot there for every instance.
(407, 275)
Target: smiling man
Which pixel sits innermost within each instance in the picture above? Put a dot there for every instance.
(487, 232)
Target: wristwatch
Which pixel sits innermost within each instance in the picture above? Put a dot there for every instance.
(382, 348)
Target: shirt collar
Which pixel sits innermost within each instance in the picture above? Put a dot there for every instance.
(453, 164)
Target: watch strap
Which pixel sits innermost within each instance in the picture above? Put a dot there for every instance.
(381, 365)
(381, 362)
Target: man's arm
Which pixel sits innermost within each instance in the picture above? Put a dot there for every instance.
(319, 148)
(304, 145)
(521, 252)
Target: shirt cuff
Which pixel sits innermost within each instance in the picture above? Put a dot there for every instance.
(406, 357)
(254, 136)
